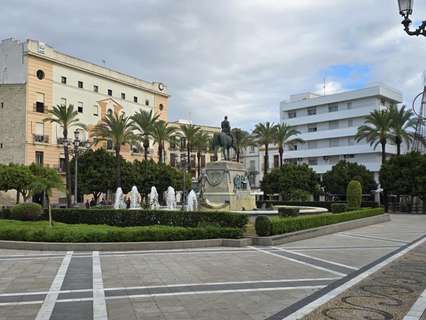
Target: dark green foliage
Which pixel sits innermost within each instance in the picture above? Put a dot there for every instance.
(338, 207)
(292, 181)
(129, 218)
(336, 180)
(40, 231)
(286, 211)
(286, 225)
(354, 194)
(5, 212)
(263, 226)
(18, 177)
(26, 211)
(321, 204)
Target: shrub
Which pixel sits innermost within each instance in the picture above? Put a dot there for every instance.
(26, 211)
(286, 225)
(288, 211)
(354, 194)
(263, 226)
(338, 207)
(129, 218)
(321, 204)
(5, 213)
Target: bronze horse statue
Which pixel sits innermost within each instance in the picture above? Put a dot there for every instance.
(225, 142)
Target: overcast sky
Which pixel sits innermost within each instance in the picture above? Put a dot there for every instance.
(234, 57)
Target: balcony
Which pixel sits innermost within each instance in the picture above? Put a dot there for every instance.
(39, 107)
(38, 138)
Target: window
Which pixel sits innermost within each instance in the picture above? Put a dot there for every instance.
(312, 145)
(109, 92)
(203, 161)
(349, 105)
(109, 112)
(312, 111)
(333, 125)
(252, 165)
(95, 88)
(183, 143)
(383, 102)
(292, 147)
(2, 105)
(109, 144)
(39, 105)
(61, 165)
(161, 107)
(64, 80)
(95, 111)
(213, 158)
(80, 84)
(276, 160)
(313, 162)
(312, 128)
(39, 157)
(80, 107)
(350, 123)
(333, 108)
(135, 99)
(1, 145)
(123, 96)
(349, 156)
(173, 159)
(334, 142)
(291, 114)
(40, 74)
(63, 101)
(252, 150)
(351, 141)
(147, 102)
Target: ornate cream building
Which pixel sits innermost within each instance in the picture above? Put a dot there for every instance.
(34, 77)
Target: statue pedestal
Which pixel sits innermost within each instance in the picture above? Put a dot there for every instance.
(226, 186)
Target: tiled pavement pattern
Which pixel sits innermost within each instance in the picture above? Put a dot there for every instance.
(215, 283)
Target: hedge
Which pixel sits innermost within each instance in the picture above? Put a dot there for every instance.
(129, 218)
(339, 207)
(263, 226)
(321, 204)
(281, 225)
(26, 211)
(40, 231)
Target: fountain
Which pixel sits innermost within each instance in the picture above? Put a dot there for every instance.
(135, 198)
(153, 199)
(119, 199)
(192, 202)
(171, 198)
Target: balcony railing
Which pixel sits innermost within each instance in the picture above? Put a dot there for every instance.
(40, 138)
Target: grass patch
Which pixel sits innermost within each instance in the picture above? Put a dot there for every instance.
(41, 232)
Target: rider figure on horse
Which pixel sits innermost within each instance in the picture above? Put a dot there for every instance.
(226, 126)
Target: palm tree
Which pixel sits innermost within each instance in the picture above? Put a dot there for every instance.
(201, 144)
(119, 129)
(189, 132)
(376, 130)
(65, 117)
(285, 135)
(143, 122)
(264, 135)
(241, 140)
(402, 122)
(161, 133)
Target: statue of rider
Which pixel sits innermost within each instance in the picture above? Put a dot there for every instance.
(226, 127)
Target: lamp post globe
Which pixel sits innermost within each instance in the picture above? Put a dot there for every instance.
(405, 7)
(76, 145)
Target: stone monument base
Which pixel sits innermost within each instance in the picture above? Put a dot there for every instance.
(226, 187)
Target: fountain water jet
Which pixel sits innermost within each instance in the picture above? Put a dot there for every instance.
(119, 199)
(135, 198)
(192, 202)
(153, 198)
(171, 198)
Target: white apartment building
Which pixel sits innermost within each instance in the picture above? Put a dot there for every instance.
(328, 125)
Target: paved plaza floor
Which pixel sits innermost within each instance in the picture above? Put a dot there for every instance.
(282, 282)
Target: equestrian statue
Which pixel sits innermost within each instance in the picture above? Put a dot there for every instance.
(224, 139)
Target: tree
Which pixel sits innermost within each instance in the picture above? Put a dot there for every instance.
(402, 124)
(118, 129)
(336, 179)
(45, 180)
(189, 132)
(96, 173)
(354, 194)
(201, 144)
(17, 177)
(264, 135)
(162, 133)
(285, 135)
(241, 140)
(143, 122)
(291, 181)
(65, 117)
(377, 130)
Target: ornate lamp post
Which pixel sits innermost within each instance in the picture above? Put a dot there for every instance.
(76, 144)
(183, 166)
(405, 10)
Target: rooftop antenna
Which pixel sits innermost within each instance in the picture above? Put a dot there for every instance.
(323, 86)
(103, 62)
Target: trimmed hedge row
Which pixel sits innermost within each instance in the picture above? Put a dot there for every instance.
(280, 225)
(41, 232)
(130, 218)
(321, 204)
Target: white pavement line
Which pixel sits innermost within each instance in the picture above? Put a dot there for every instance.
(42, 292)
(361, 236)
(99, 304)
(417, 309)
(315, 258)
(49, 302)
(301, 262)
(190, 250)
(330, 295)
(342, 248)
(5, 304)
(179, 253)
(31, 258)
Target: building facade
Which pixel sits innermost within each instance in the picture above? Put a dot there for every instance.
(34, 77)
(328, 125)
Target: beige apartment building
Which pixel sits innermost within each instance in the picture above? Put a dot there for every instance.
(34, 77)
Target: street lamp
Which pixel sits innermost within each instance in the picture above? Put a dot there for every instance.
(405, 10)
(183, 166)
(76, 146)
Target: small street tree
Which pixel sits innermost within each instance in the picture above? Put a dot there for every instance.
(285, 135)
(143, 123)
(241, 140)
(264, 135)
(189, 133)
(162, 133)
